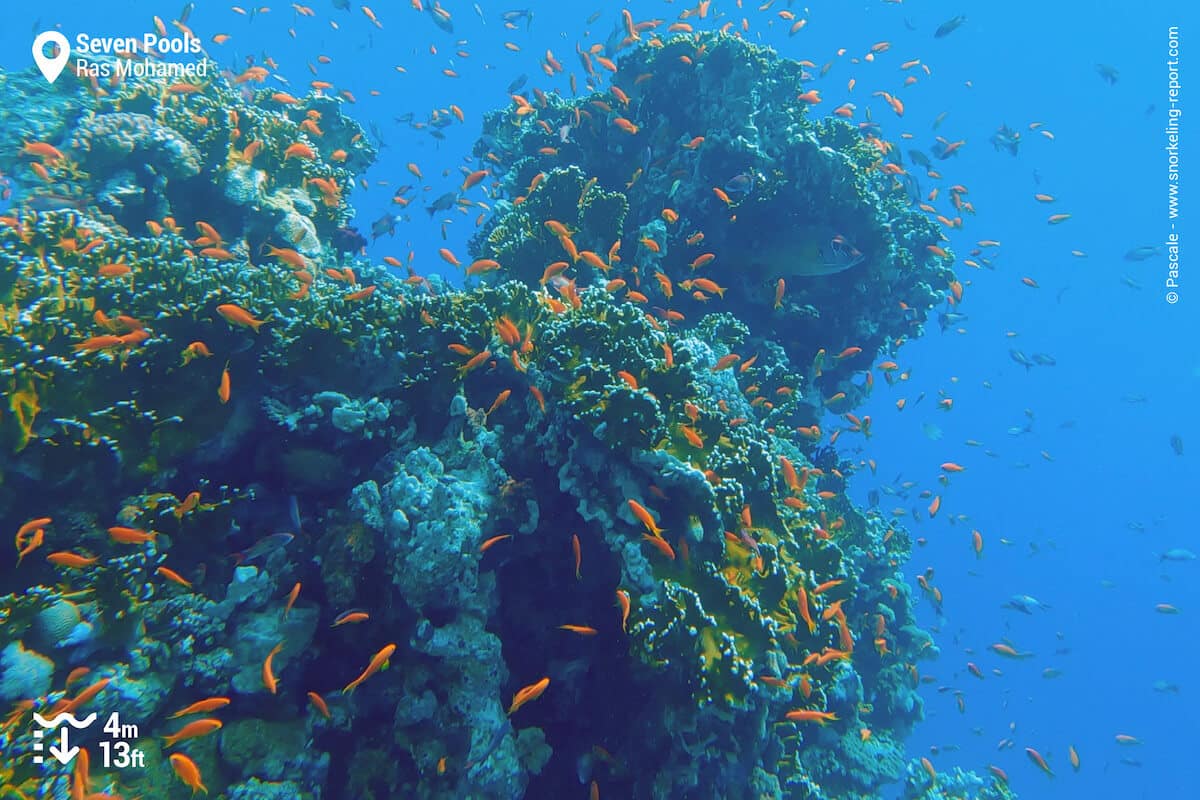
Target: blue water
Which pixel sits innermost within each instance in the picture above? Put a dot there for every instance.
(1084, 526)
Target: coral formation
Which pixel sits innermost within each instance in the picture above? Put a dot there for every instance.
(471, 528)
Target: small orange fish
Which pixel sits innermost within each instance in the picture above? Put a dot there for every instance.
(378, 661)
(662, 545)
(201, 727)
(1036, 758)
(575, 548)
(71, 560)
(291, 599)
(268, 672)
(645, 517)
(802, 604)
(240, 317)
(350, 617)
(298, 150)
(725, 362)
(130, 535)
(187, 771)
(34, 542)
(224, 388)
(319, 704)
(582, 630)
(488, 543)
(174, 576)
(807, 715)
(528, 694)
(188, 505)
(202, 706)
(624, 604)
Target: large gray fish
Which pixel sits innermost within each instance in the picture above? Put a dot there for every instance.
(949, 26)
(1025, 604)
(263, 548)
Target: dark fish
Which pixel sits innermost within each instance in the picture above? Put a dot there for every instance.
(385, 224)
(264, 547)
(188, 8)
(294, 512)
(443, 203)
(51, 201)
(1131, 282)
(948, 319)
(1025, 604)
(595, 15)
(405, 119)
(341, 5)
(919, 158)
(378, 137)
(1108, 73)
(441, 17)
(1178, 554)
(517, 84)
(1141, 253)
(949, 26)
(742, 183)
(498, 734)
(1020, 358)
(1177, 444)
(518, 14)
(1045, 359)
(1006, 139)
(347, 240)
(908, 24)
(912, 187)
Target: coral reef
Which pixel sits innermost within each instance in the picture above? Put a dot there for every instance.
(460, 543)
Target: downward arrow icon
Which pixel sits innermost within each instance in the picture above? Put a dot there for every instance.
(63, 751)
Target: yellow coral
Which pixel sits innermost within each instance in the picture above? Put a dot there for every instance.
(23, 401)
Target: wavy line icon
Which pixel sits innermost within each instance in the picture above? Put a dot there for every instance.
(58, 720)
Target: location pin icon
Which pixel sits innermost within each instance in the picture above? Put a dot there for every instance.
(51, 66)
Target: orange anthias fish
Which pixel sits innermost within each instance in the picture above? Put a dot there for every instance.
(71, 560)
(268, 671)
(201, 727)
(582, 630)
(527, 694)
(623, 602)
(807, 715)
(320, 704)
(378, 661)
(643, 515)
(236, 315)
(187, 771)
(805, 614)
(202, 706)
(1036, 758)
(130, 535)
